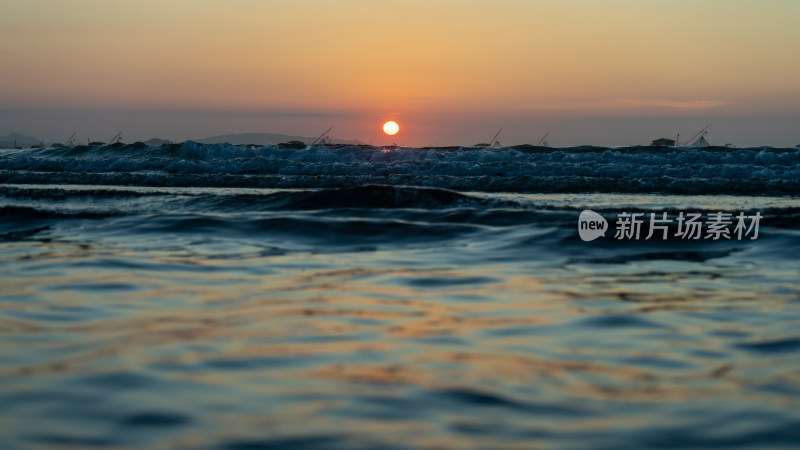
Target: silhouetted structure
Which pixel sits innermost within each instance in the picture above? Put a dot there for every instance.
(297, 145)
(663, 142)
(493, 143)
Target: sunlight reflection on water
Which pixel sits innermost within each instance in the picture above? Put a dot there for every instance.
(499, 335)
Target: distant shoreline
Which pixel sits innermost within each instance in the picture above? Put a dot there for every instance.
(19, 141)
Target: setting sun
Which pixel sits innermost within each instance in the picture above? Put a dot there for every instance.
(391, 128)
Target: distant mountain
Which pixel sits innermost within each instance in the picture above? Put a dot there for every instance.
(235, 139)
(8, 140)
(266, 139)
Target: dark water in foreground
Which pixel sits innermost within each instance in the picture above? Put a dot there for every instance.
(234, 298)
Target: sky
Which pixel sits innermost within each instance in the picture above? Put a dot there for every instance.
(450, 72)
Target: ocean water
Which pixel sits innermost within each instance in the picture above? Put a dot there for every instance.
(234, 297)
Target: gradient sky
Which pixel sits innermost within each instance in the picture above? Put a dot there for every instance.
(609, 72)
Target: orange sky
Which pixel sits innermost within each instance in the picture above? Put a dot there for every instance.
(299, 66)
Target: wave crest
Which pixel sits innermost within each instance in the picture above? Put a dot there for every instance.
(522, 168)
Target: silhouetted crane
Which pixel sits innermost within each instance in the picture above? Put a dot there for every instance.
(543, 140)
(492, 142)
(321, 137)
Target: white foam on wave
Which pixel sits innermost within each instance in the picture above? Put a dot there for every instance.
(462, 168)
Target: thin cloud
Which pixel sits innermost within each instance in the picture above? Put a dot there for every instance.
(676, 104)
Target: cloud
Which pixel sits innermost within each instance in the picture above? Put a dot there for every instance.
(675, 104)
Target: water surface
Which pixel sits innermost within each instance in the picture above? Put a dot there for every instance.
(327, 311)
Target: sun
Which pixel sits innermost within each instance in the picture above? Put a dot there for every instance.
(391, 128)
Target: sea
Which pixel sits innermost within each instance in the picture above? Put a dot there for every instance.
(194, 296)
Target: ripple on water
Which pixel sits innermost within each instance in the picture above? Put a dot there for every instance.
(788, 345)
(390, 327)
(619, 321)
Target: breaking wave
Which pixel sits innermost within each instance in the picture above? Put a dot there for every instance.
(716, 170)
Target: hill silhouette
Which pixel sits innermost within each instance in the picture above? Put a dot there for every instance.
(266, 139)
(8, 140)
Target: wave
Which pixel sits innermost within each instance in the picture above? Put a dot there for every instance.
(752, 171)
(11, 213)
(369, 196)
(409, 203)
